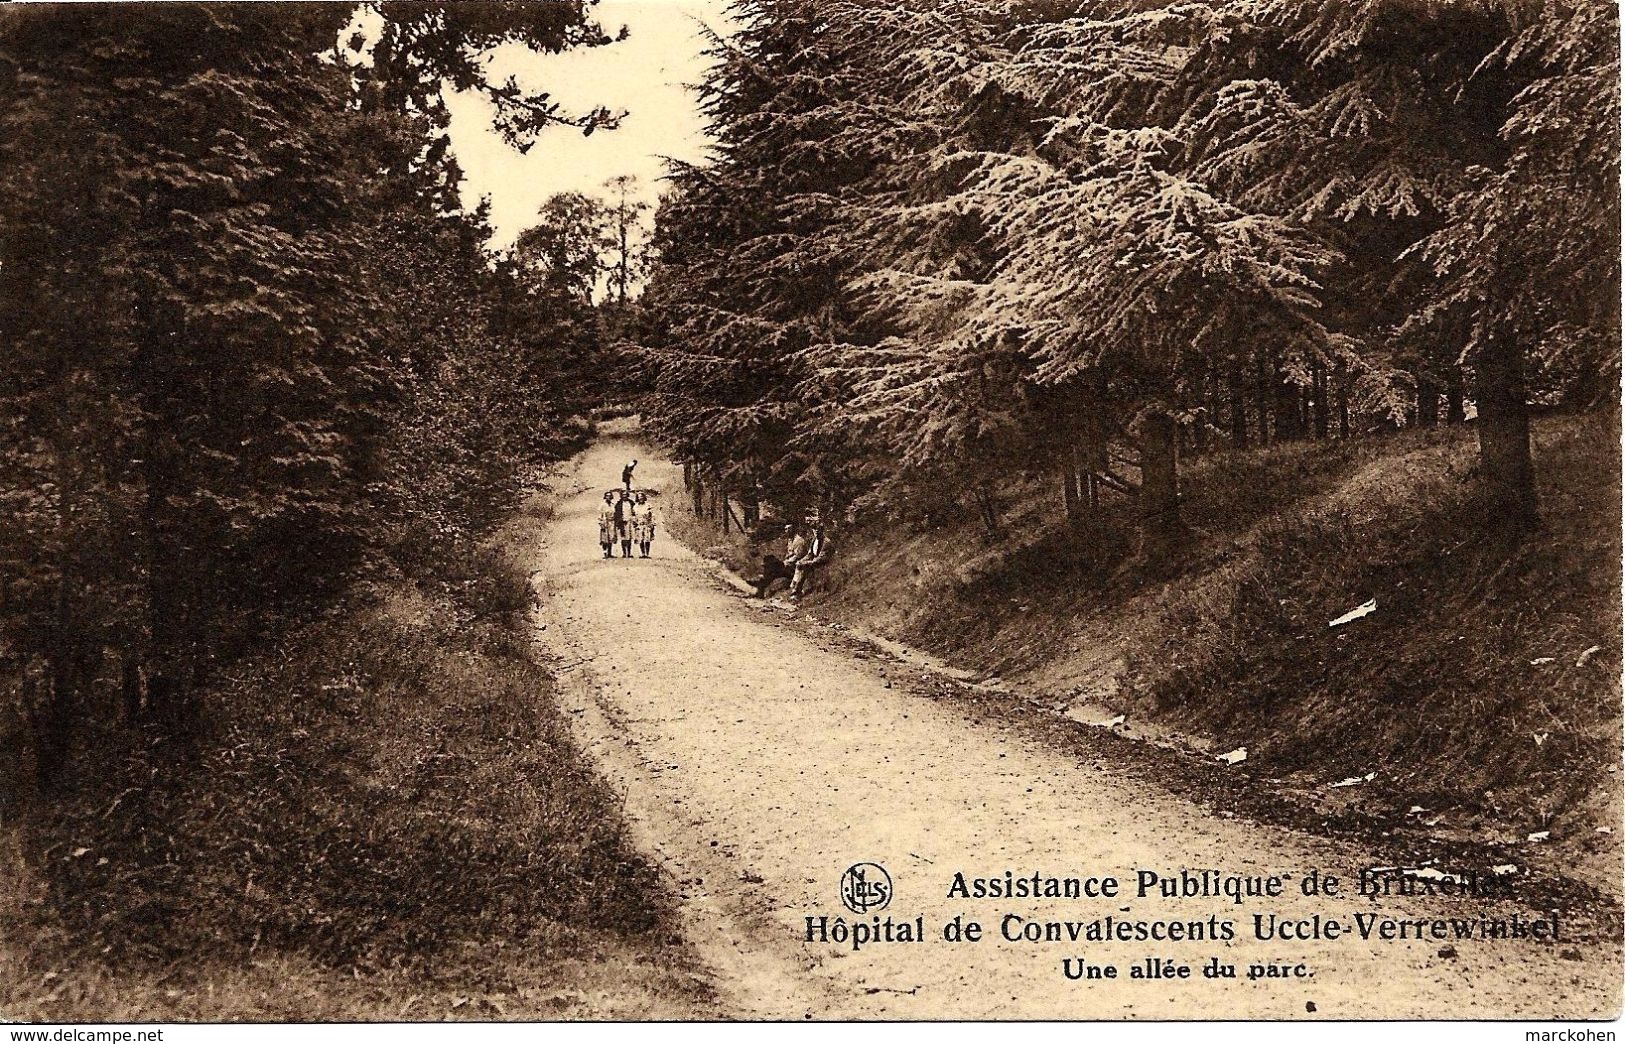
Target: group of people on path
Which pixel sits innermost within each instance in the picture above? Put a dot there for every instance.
(626, 518)
(808, 547)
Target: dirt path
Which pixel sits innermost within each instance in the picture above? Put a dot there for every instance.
(758, 765)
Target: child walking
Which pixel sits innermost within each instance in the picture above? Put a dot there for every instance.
(606, 526)
(645, 525)
(625, 523)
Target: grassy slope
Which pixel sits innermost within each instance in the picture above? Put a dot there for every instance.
(389, 822)
(1435, 692)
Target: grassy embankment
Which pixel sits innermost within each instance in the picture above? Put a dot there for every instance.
(1471, 691)
(386, 821)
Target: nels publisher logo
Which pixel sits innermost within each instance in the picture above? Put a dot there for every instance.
(866, 888)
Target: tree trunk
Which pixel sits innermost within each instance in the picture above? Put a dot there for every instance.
(1069, 492)
(1455, 397)
(130, 687)
(1288, 408)
(1322, 408)
(49, 702)
(1427, 403)
(169, 696)
(1095, 453)
(621, 268)
(987, 509)
(1082, 482)
(1342, 401)
(1265, 398)
(1503, 437)
(1205, 417)
(1238, 410)
(1160, 526)
(51, 711)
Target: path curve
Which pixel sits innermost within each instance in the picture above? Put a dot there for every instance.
(757, 765)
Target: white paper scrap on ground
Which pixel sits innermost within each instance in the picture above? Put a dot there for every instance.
(1235, 757)
(1354, 614)
(1428, 873)
(1094, 715)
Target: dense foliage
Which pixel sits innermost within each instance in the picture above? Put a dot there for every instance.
(938, 243)
(254, 348)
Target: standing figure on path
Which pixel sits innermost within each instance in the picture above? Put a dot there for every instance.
(625, 523)
(626, 473)
(606, 525)
(819, 550)
(645, 525)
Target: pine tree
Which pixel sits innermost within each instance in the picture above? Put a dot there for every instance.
(1527, 266)
(1004, 236)
(1059, 243)
(745, 283)
(201, 388)
(623, 216)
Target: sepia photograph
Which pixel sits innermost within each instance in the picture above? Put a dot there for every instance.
(811, 511)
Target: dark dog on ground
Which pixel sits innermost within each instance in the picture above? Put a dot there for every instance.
(773, 570)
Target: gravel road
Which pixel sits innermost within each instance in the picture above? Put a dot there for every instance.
(759, 763)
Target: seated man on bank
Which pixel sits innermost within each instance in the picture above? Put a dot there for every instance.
(819, 551)
(774, 568)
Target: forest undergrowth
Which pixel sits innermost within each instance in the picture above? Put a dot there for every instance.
(387, 820)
